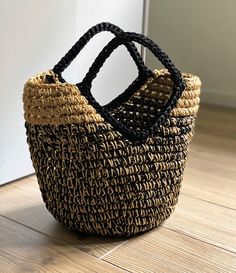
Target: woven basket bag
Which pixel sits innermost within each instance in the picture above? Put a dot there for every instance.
(114, 169)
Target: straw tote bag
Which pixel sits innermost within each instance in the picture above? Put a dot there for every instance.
(114, 169)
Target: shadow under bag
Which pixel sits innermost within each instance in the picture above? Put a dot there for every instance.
(113, 169)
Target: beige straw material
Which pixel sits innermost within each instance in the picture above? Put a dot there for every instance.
(62, 103)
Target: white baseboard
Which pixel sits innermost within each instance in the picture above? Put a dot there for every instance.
(219, 97)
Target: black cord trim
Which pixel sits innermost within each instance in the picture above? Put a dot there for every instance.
(79, 45)
(127, 39)
(136, 137)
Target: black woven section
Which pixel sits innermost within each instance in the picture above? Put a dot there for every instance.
(92, 180)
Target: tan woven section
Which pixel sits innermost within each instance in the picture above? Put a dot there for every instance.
(160, 88)
(62, 103)
(59, 103)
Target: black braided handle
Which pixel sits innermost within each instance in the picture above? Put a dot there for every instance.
(125, 39)
(79, 45)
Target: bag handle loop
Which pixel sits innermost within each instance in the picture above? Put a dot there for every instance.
(79, 45)
(179, 85)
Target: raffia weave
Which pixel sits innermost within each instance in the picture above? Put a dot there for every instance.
(94, 180)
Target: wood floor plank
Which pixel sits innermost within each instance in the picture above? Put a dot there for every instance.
(22, 202)
(210, 173)
(214, 158)
(220, 149)
(205, 221)
(209, 187)
(217, 121)
(163, 251)
(24, 250)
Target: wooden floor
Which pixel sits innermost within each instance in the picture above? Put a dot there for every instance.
(199, 237)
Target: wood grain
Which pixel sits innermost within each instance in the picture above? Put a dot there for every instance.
(208, 162)
(217, 121)
(22, 202)
(210, 173)
(163, 250)
(24, 250)
(209, 187)
(204, 221)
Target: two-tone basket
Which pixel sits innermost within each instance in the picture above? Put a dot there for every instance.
(113, 169)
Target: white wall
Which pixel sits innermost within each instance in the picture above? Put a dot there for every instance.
(34, 36)
(200, 37)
